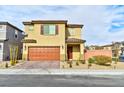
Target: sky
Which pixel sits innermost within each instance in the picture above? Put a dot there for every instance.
(103, 24)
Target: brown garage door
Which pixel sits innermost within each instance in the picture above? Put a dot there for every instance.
(44, 53)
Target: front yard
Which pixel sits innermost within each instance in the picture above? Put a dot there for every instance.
(63, 65)
(7, 64)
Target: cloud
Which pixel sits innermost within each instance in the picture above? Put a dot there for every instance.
(102, 24)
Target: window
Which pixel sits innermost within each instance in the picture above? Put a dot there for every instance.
(0, 47)
(1, 27)
(16, 34)
(50, 29)
(31, 28)
(72, 31)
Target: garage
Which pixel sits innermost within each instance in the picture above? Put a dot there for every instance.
(39, 53)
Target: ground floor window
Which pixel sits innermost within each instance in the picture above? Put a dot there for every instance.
(0, 46)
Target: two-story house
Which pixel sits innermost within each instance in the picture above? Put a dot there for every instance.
(107, 47)
(118, 49)
(10, 35)
(52, 40)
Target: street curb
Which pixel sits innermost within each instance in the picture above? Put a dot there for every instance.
(59, 72)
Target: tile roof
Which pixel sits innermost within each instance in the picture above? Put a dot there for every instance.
(75, 40)
(29, 41)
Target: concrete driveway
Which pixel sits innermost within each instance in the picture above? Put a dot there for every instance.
(37, 65)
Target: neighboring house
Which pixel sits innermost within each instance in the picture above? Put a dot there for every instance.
(107, 47)
(9, 36)
(103, 47)
(94, 47)
(95, 50)
(52, 40)
(118, 49)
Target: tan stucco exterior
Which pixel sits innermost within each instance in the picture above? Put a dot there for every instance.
(42, 40)
(54, 40)
(107, 48)
(77, 33)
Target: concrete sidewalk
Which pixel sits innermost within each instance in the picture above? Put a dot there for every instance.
(60, 72)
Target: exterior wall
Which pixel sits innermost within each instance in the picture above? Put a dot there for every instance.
(120, 50)
(1, 51)
(12, 41)
(43, 40)
(76, 52)
(107, 48)
(77, 33)
(91, 53)
(3, 33)
(82, 51)
(91, 48)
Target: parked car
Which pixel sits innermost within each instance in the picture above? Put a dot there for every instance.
(121, 58)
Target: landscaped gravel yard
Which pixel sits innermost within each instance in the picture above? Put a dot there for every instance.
(31, 65)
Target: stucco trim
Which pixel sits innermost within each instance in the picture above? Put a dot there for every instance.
(44, 46)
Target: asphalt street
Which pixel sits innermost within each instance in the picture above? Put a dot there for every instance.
(61, 81)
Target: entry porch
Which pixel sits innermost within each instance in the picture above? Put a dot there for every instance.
(74, 49)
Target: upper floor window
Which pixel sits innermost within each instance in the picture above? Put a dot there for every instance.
(31, 28)
(0, 47)
(1, 27)
(49, 29)
(16, 34)
(72, 31)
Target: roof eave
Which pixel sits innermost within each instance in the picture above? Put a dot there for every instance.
(75, 25)
(45, 22)
(7, 23)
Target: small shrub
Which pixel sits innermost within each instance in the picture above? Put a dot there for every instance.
(6, 65)
(12, 63)
(90, 61)
(83, 61)
(77, 63)
(115, 59)
(70, 64)
(103, 60)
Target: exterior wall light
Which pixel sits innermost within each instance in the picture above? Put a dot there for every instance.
(62, 47)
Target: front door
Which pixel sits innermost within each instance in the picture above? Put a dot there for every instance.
(69, 52)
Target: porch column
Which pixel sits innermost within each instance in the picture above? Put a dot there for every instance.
(65, 52)
(82, 51)
(62, 52)
(25, 52)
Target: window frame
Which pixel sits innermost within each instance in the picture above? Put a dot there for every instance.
(52, 27)
(31, 28)
(48, 34)
(0, 47)
(1, 30)
(16, 34)
(56, 30)
(72, 31)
